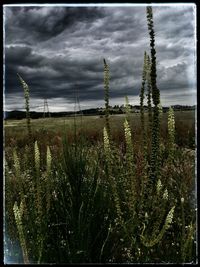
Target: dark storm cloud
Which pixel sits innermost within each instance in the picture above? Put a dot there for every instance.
(24, 55)
(46, 22)
(58, 50)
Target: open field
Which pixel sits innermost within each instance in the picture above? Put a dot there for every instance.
(92, 127)
(185, 117)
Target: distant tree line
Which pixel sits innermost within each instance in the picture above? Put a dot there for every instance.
(116, 109)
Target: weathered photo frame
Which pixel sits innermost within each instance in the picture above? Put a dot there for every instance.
(100, 129)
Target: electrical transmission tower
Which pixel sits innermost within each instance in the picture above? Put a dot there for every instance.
(46, 108)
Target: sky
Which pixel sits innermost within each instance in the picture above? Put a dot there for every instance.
(59, 52)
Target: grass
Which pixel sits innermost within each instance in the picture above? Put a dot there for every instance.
(93, 127)
(82, 221)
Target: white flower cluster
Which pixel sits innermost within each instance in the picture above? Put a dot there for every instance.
(165, 194)
(106, 142)
(169, 217)
(37, 157)
(171, 125)
(127, 131)
(159, 186)
(49, 159)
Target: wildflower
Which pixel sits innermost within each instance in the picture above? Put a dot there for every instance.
(49, 159)
(37, 157)
(170, 217)
(165, 195)
(106, 143)
(106, 91)
(127, 131)
(159, 186)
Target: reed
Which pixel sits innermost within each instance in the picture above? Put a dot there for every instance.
(27, 106)
(149, 93)
(144, 77)
(106, 95)
(155, 99)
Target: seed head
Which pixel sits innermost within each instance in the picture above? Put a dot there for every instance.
(37, 157)
(165, 195)
(49, 159)
(159, 186)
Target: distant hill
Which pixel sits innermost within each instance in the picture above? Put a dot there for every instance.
(17, 114)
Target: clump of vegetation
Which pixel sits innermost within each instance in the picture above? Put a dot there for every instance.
(104, 202)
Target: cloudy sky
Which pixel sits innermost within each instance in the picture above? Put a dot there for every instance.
(59, 50)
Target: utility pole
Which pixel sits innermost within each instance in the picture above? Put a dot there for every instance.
(46, 108)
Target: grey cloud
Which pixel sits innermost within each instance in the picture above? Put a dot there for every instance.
(43, 23)
(59, 49)
(23, 56)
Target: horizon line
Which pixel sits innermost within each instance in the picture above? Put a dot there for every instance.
(166, 106)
